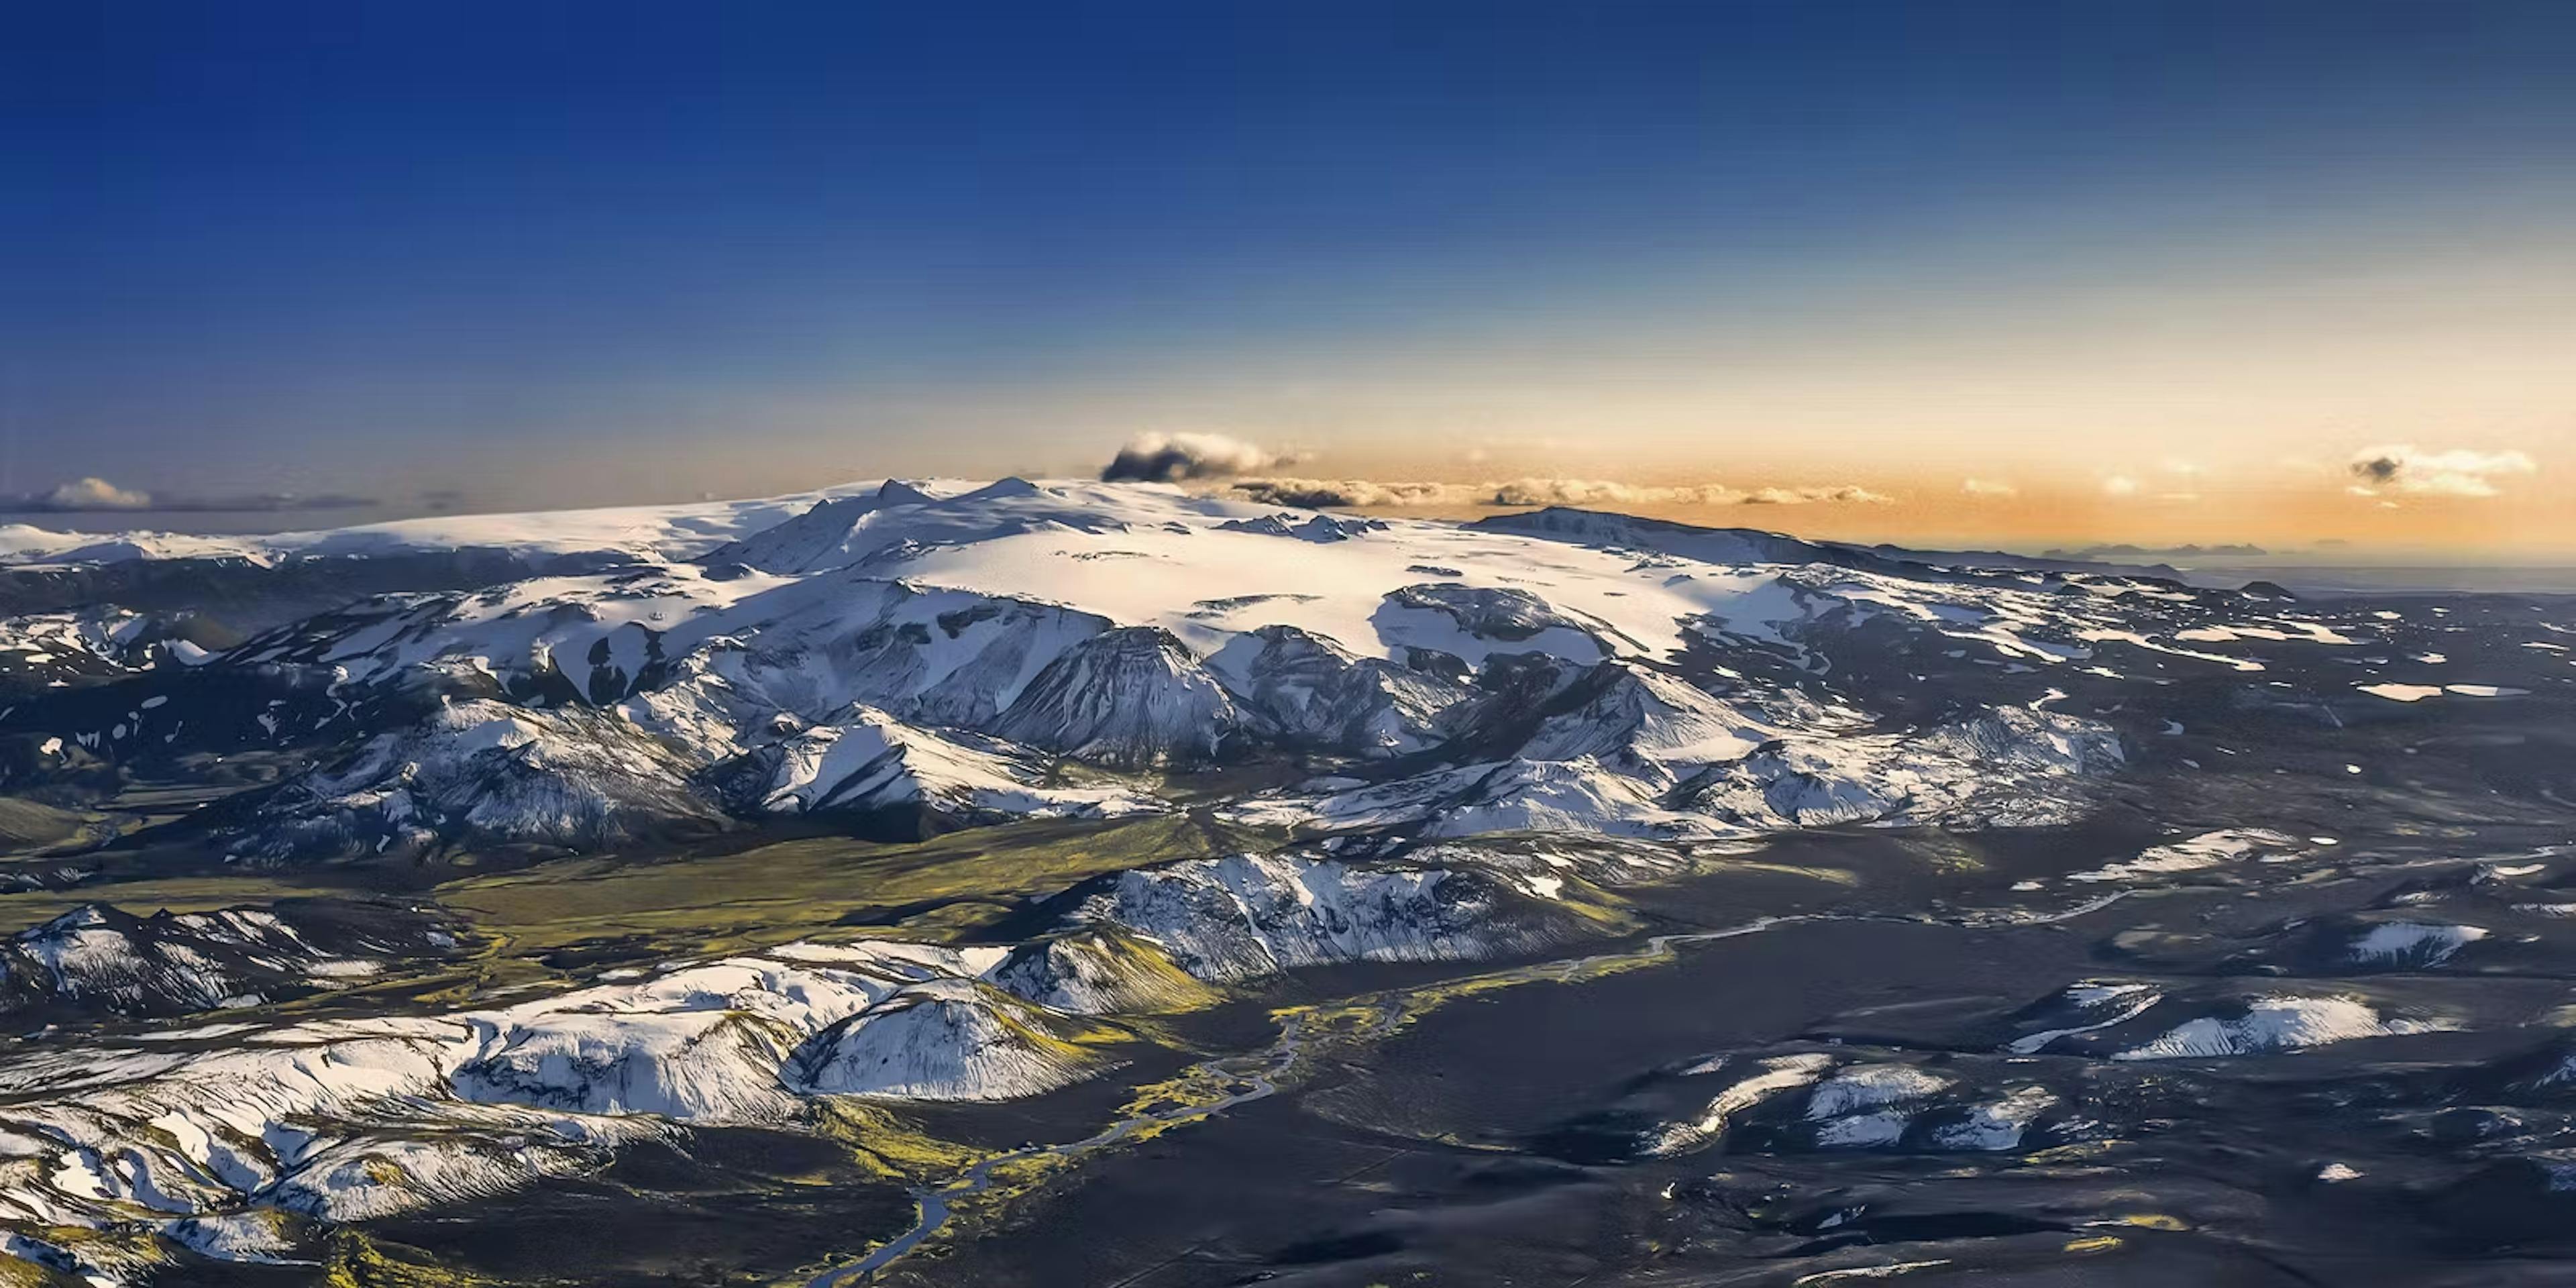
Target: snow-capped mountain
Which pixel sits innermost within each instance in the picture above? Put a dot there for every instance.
(941, 647)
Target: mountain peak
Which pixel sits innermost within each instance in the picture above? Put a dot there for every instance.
(1004, 489)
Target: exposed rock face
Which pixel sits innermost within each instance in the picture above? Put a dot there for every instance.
(1129, 697)
(38, 650)
(869, 762)
(1658, 776)
(1494, 615)
(99, 960)
(1317, 528)
(1095, 969)
(2019, 739)
(480, 772)
(2010, 767)
(1247, 915)
(1632, 709)
(1311, 692)
(939, 1040)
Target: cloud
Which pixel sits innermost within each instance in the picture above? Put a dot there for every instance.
(2408, 468)
(1988, 487)
(1169, 458)
(2119, 485)
(1552, 491)
(91, 494)
(97, 495)
(1803, 495)
(2124, 550)
(1174, 458)
(1323, 493)
(268, 502)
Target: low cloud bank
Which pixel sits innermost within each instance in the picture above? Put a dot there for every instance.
(2124, 550)
(1362, 493)
(1595, 492)
(90, 494)
(93, 495)
(1180, 458)
(2410, 469)
(1319, 494)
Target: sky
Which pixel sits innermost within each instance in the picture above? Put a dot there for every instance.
(2016, 274)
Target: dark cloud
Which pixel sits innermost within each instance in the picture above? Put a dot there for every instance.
(1170, 458)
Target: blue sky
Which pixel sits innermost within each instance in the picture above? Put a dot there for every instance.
(590, 253)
